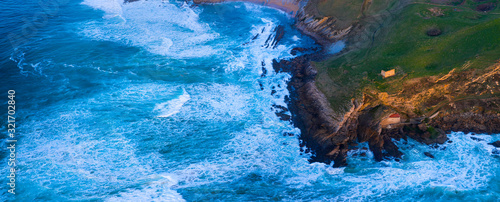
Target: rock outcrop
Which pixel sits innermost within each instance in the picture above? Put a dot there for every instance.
(323, 30)
(495, 144)
(429, 106)
(330, 135)
(311, 111)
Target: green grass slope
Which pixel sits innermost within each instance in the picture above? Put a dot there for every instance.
(468, 39)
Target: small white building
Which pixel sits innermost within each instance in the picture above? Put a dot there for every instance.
(394, 118)
(389, 73)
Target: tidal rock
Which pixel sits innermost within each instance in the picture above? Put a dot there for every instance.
(282, 112)
(495, 144)
(273, 40)
(297, 50)
(429, 155)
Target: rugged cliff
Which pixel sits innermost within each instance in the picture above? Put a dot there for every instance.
(311, 111)
(445, 58)
(441, 85)
(429, 107)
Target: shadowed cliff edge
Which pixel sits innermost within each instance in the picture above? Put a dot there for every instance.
(427, 107)
(330, 135)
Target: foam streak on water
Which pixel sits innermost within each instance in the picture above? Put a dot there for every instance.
(172, 107)
(145, 24)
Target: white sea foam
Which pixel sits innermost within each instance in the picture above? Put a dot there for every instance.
(28, 68)
(220, 102)
(172, 107)
(80, 152)
(257, 56)
(260, 147)
(460, 165)
(111, 7)
(159, 189)
(157, 26)
(104, 140)
(80, 155)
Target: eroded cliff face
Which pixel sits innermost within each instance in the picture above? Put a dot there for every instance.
(311, 111)
(323, 30)
(466, 100)
(462, 100)
(328, 134)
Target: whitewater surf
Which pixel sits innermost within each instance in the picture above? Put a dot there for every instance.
(167, 101)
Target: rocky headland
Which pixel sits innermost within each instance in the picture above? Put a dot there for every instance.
(424, 108)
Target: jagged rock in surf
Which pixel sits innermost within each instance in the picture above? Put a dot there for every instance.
(495, 144)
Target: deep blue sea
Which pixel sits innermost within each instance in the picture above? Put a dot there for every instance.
(164, 101)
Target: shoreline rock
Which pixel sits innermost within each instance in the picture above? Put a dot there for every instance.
(310, 109)
(495, 144)
(330, 135)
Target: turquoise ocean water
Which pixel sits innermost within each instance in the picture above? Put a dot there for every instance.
(164, 101)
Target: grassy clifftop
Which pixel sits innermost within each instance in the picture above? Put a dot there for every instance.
(419, 39)
(347, 12)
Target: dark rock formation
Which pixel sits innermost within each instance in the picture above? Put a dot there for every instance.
(311, 111)
(298, 50)
(273, 39)
(281, 112)
(476, 139)
(369, 130)
(328, 134)
(323, 30)
(485, 7)
(434, 32)
(495, 144)
(429, 155)
(461, 116)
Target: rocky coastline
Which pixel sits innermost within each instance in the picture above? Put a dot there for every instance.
(329, 134)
